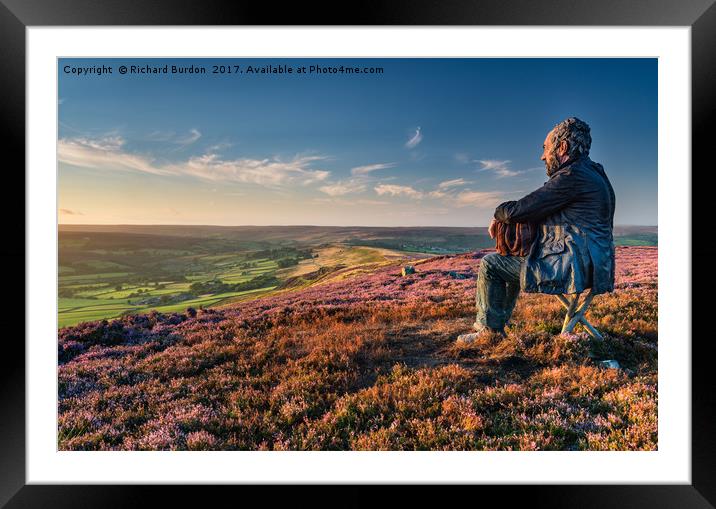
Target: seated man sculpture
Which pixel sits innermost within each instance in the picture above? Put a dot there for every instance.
(573, 248)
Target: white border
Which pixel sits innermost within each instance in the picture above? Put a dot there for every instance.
(670, 464)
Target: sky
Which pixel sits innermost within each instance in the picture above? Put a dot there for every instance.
(425, 142)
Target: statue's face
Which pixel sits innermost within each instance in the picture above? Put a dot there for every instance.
(553, 155)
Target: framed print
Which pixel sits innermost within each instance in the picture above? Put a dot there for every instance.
(436, 247)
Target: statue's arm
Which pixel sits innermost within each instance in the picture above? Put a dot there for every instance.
(555, 194)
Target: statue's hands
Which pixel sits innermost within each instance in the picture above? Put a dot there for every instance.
(492, 230)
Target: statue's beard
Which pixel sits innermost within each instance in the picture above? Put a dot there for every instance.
(551, 163)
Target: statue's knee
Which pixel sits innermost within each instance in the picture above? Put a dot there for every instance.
(487, 264)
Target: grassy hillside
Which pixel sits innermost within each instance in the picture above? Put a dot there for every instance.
(106, 274)
(368, 362)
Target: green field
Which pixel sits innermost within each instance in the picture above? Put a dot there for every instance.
(104, 274)
(100, 295)
(170, 273)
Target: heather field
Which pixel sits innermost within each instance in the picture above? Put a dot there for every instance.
(368, 362)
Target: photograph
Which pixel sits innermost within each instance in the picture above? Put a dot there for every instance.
(422, 244)
(357, 254)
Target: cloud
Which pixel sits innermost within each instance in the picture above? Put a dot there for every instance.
(447, 188)
(396, 190)
(357, 183)
(190, 138)
(363, 170)
(264, 172)
(447, 184)
(415, 140)
(342, 188)
(68, 212)
(448, 194)
(106, 154)
(501, 168)
(106, 143)
(173, 137)
(219, 147)
(480, 199)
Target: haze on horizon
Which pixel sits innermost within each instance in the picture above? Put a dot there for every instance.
(429, 142)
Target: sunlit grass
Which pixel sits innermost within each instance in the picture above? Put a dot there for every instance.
(369, 363)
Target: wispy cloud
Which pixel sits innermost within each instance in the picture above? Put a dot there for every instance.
(448, 192)
(415, 139)
(107, 154)
(218, 147)
(342, 188)
(447, 188)
(105, 143)
(447, 184)
(438, 193)
(397, 190)
(172, 137)
(104, 154)
(364, 170)
(501, 168)
(480, 199)
(190, 138)
(265, 172)
(361, 177)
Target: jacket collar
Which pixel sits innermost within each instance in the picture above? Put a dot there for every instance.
(570, 162)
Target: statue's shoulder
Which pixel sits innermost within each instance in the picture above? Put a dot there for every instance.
(582, 162)
(583, 167)
(594, 164)
(598, 168)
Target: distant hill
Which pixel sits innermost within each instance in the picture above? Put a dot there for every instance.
(417, 238)
(636, 236)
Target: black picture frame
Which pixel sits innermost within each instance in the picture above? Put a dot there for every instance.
(699, 15)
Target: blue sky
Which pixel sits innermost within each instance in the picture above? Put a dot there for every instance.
(428, 142)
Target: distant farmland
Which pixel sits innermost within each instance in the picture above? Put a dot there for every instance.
(109, 271)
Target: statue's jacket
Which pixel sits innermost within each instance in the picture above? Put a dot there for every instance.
(574, 249)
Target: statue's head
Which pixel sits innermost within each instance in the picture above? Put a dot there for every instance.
(568, 140)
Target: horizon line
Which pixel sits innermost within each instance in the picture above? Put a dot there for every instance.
(301, 225)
